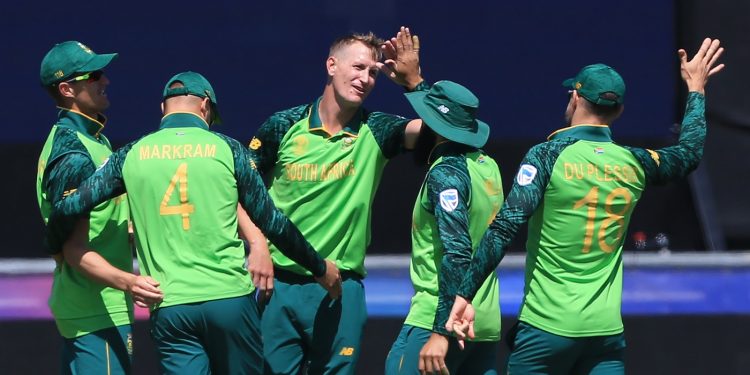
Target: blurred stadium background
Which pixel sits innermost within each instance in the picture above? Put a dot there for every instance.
(686, 300)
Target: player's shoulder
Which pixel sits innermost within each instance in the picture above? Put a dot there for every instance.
(65, 141)
(375, 119)
(289, 116)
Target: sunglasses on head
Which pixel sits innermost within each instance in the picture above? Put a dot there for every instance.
(88, 77)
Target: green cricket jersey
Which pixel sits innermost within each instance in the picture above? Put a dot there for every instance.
(325, 182)
(579, 190)
(184, 183)
(458, 199)
(73, 150)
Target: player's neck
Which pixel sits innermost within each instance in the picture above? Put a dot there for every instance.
(333, 113)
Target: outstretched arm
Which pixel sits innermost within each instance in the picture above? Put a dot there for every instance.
(104, 184)
(669, 163)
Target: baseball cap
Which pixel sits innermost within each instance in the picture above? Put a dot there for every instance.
(193, 84)
(69, 58)
(450, 110)
(599, 84)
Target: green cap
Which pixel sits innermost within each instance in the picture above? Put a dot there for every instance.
(450, 110)
(599, 84)
(71, 58)
(193, 84)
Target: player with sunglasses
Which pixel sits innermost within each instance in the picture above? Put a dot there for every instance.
(94, 285)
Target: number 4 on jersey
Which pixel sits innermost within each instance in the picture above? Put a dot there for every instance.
(184, 208)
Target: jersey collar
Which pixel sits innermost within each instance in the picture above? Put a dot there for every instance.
(351, 129)
(182, 120)
(586, 132)
(80, 122)
(448, 148)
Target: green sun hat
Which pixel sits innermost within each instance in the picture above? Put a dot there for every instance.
(450, 110)
(193, 84)
(599, 84)
(71, 58)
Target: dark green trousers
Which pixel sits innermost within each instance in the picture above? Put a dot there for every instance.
(107, 351)
(213, 337)
(477, 358)
(539, 352)
(303, 328)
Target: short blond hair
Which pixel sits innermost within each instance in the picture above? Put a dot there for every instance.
(370, 40)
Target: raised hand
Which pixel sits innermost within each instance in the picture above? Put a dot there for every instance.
(401, 54)
(695, 72)
(331, 280)
(461, 320)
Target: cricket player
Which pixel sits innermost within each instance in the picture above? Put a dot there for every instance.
(324, 160)
(93, 284)
(578, 191)
(458, 199)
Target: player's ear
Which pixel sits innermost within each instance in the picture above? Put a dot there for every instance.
(66, 90)
(331, 65)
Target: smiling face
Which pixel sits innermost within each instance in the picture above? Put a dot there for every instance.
(352, 71)
(88, 96)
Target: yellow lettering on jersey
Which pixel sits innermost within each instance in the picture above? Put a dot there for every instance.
(144, 153)
(601, 173)
(210, 150)
(177, 151)
(155, 152)
(166, 151)
(188, 151)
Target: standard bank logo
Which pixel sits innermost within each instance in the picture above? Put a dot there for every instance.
(449, 199)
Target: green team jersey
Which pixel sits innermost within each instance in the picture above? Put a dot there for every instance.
(184, 183)
(73, 150)
(458, 199)
(325, 182)
(580, 189)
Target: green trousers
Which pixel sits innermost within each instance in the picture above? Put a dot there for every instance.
(535, 351)
(213, 337)
(477, 358)
(107, 351)
(304, 329)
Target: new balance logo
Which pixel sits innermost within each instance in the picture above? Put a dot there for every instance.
(347, 351)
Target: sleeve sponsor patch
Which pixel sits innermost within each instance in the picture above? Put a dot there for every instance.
(449, 199)
(526, 174)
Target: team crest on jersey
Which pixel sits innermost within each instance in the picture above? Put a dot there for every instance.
(255, 143)
(526, 174)
(598, 150)
(449, 199)
(300, 145)
(347, 143)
